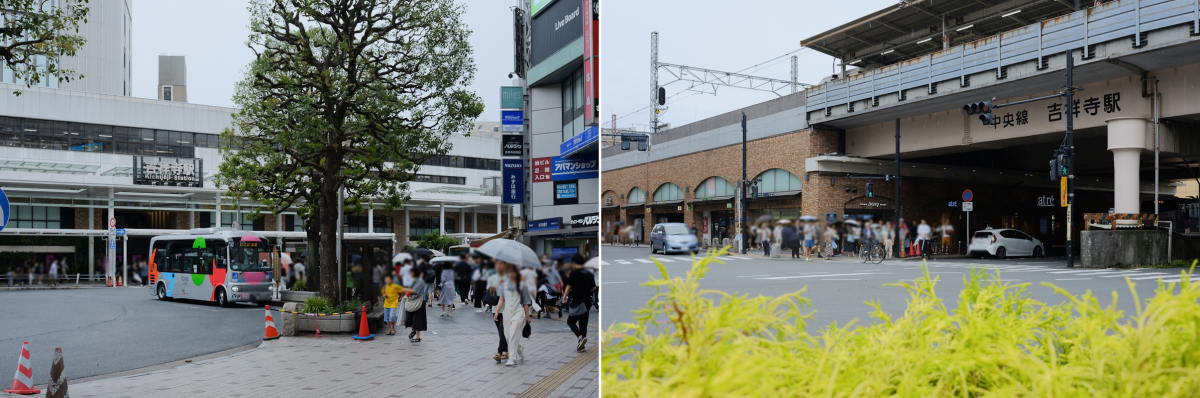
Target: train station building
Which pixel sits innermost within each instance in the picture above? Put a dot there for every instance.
(908, 70)
(82, 157)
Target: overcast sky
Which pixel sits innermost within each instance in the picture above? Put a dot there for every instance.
(712, 34)
(212, 34)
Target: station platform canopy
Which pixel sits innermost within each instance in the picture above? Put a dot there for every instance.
(914, 28)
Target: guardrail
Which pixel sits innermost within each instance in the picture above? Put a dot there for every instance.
(1080, 29)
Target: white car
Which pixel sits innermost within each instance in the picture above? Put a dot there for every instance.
(1003, 243)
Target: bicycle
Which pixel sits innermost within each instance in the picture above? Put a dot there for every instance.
(873, 252)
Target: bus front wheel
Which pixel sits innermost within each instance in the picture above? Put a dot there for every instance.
(162, 292)
(221, 299)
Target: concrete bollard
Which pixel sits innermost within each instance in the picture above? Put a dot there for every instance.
(726, 242)
(291, 322)
(776, 250)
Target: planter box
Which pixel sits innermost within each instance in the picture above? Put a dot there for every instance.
(296, 296)
(329, 324)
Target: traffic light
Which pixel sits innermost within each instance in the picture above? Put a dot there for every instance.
(1054, 169)
(662, 95)
(1063, 161)
(983, 109)
(870, 190)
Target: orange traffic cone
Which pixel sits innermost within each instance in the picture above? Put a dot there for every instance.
(272, 334)
(120, 281)
(23, 379)
(363, 330)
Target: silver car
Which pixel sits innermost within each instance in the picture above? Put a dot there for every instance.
(1003, 243)
(673, 237)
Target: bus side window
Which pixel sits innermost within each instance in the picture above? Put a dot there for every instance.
(220, 251)
(160, 256)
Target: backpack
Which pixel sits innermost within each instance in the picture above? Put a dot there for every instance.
(428, 273)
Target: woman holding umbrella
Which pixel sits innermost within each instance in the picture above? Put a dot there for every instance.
(515, 299)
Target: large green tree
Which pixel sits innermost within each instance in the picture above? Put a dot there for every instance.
(34, 34)
(346, 95)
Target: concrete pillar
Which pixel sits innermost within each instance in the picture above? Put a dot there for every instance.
(442, 217)
(407, 234)
(191, 219)
(474, 220)
(91, 242)
(462, 222)
(1126, 140)
(499, 212)
(111, 254)
(370, 219)
(218, 211)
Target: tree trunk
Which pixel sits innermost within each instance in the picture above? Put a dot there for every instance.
(328, 215)
(312, 230)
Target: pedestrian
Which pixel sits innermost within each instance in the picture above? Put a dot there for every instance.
(53, 273)
(462, 277)
(514, 303)
(494, 281)
(764, 236)
(416, 319)
(11, 274)
(479, 280)
(446, 300)
(391, 301)
(377, 274)
(576, 297)
(947, 230)
(810, 239)
(924, 233)
(430, 276)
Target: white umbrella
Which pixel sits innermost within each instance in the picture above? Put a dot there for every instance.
(400, 257)
(510, 251)
(852, 222)
(593, 263)
(285, 259)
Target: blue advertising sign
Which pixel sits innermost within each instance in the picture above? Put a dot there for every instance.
(570, 251)
(544, 225)
(577, 168)
(4, 208)
(580, 142)
(514, 181)
(566, 191)
(512, 117)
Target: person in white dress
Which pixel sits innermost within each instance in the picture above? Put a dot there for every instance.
(514, 303)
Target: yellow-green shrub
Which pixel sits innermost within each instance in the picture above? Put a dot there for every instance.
(998, 342)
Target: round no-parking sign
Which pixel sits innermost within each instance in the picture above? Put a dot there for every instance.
(967, 196)
(4, 210)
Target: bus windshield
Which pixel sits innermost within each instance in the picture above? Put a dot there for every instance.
(249, 255)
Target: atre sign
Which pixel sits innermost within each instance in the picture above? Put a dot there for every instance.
(1046, 201)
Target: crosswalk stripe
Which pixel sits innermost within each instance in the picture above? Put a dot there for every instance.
(1176, 280)
(1132, 274)
(664, 259)
(740, 258)
(1110, 273)
(643, 261)
(602, 262)
(623, 262)
(822, 275)
(1071, 272)
(1152, 276)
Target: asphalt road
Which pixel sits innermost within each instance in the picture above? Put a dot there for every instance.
(103, 331)
(838, 288)
(108, 330)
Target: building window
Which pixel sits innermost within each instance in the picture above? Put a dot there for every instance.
(572, 104)
(668, 191)
(713, 187)
(778, 180)
(440, 179)
(636, 195)
(358, 224)
(47, 134)
(35, 217)
(166, 94)
(464, 162)
(419, 226)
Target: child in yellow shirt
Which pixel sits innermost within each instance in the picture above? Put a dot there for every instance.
(391, 300)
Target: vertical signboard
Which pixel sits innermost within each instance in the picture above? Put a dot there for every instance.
(512, 97)
(511, 145)
(514, 181)
(590, 109)
(542, 169)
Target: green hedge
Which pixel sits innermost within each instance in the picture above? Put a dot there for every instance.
(997, 342)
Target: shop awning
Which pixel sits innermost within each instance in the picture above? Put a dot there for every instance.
(635, 205)
(714, 199)
(777, 195)
(613, 207)
(666, 203)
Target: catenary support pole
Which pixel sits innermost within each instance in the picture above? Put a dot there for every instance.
(91, 243)
(111, 263)
(898, 239)
(498, 213)
(341, 276)
(745, 184)
(1157, 103)
(1070, 158)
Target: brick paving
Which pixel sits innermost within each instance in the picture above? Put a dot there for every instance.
(442, 365)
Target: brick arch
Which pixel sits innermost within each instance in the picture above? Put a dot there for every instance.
(604, 197)
(799, 176)
(696, 188)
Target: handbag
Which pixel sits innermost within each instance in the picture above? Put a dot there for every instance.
(412, 304)
(526, 331)
(578, 309)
